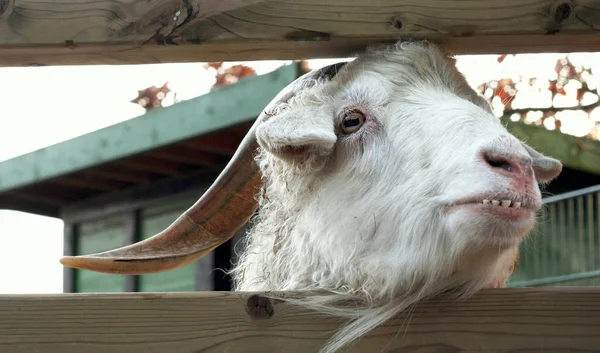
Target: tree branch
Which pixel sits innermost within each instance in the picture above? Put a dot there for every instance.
(586, 108)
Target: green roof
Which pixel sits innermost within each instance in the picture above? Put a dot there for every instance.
(223, 107)
(193, 137)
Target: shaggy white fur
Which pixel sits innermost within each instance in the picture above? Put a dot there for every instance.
(375, 215)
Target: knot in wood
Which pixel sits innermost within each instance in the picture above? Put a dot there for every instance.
(307, 36)
(396, 23)
(70, 44)
(6, 5)
(562, 12)
(260, 307)
(161, 20)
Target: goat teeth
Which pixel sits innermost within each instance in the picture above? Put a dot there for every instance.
(486, 202)
(506, 203)
(516, 204)
(495, 202)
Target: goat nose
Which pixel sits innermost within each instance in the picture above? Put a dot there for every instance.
(506, 163)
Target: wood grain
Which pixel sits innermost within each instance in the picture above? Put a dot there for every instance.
(500, 320)
(47, 32)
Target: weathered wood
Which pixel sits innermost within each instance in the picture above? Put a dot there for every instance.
(532, 320)
(46, 32)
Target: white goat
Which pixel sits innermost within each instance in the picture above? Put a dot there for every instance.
(386, 179)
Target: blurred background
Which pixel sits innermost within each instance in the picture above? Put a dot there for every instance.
(96, 157)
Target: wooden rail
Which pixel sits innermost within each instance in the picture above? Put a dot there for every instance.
(534, 320)
(49, 32)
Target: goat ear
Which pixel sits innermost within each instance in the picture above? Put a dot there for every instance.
(292, 133)
(545, 168)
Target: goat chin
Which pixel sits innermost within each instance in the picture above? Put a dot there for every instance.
(373, 220)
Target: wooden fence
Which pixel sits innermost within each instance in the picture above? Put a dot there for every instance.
(49, 32)
(499, 320)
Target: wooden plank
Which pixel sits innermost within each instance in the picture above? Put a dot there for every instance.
(222, 108)
(46, 32)
(574, 152)
(277, 49)
(501, 320)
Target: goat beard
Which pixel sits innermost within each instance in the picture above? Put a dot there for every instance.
(366, 313)
(365, 309)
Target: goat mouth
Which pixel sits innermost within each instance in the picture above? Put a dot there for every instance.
(504, 207)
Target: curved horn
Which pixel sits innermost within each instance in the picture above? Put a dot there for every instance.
(219, 213)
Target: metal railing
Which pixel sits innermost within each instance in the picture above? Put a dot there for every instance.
(564, 249)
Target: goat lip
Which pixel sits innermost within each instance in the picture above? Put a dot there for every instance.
(527, 203)
(504, 213)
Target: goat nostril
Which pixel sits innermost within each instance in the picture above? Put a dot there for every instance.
(499, 162)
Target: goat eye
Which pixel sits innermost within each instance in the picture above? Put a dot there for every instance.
(352, 122)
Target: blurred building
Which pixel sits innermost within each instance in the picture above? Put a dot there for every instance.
(129, 181)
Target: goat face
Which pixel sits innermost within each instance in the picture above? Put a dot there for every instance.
(390, 173)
